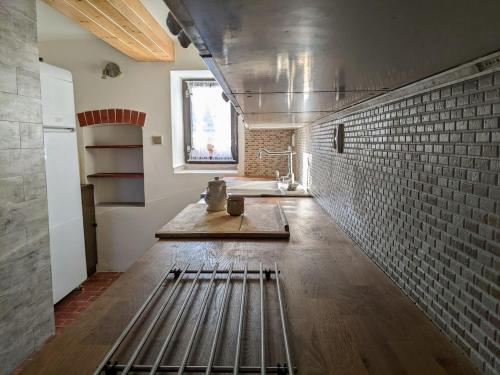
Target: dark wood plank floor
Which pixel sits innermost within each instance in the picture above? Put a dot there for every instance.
(345, 316)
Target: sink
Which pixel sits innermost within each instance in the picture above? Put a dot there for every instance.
(264, 189)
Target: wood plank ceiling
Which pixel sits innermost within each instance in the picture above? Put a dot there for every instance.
(124, 24)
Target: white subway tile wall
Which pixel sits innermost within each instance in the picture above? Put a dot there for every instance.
(417, 188)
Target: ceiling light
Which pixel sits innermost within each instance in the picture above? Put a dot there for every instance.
(173, 25)
(184, 39)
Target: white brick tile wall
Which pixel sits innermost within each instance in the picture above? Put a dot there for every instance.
(417, 187)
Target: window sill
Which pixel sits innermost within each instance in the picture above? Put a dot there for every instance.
(224, 169)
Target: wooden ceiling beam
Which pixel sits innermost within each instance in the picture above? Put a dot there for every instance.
(135, 12)
(124, 24)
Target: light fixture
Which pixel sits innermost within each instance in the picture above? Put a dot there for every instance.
(183, 39)
(111, 70)
(176, 29)
(173, 25)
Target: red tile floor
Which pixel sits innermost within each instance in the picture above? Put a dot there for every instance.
(66, 311)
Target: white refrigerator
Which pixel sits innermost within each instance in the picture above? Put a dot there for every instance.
(67, 244)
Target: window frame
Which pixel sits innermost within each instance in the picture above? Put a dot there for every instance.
(186, 118)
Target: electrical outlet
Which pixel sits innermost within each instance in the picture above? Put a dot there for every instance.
(157, 139)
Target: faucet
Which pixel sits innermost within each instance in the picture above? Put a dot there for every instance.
(290, 177)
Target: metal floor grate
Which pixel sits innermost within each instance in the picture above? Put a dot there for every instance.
(168, 347)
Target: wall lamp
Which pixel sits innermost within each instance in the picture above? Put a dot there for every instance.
(111, 70)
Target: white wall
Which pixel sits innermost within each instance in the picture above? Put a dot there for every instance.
(124, 233)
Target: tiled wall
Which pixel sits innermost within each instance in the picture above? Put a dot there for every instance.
(26, 312)
(417, 187)
(273, 140)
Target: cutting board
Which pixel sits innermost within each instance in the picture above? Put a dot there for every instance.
(260, 220)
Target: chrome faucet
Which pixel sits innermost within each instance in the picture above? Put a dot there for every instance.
(290, 177)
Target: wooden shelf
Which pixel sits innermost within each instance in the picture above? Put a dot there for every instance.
(116, 175)
(126, 204)
(113, 146)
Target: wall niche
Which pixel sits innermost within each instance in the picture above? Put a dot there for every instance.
(113, 144)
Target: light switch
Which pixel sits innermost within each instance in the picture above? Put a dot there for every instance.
(157, 139)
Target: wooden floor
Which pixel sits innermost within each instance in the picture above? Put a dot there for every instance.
(345, 316)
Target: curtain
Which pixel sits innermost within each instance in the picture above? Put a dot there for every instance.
(210, 122)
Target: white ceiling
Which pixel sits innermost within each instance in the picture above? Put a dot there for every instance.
(53, 25)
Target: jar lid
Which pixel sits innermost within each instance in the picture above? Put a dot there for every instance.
(216, 182)
(236, 198)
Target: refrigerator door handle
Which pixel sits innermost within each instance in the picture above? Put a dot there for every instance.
(58, 128)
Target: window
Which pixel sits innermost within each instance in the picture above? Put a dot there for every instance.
(210, 124)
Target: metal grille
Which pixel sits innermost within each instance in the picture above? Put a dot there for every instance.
(167, 347)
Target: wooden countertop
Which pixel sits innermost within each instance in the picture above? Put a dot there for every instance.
(345, 315)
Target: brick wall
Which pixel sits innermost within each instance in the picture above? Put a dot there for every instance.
(26, 312)
(417, 187)
(273, 140)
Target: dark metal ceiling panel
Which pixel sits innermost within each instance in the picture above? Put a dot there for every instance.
(281, 119)
(285, 46)
(300, 102)
(286, 102)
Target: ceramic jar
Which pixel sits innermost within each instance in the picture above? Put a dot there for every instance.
(216, 196)
(235, 205)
